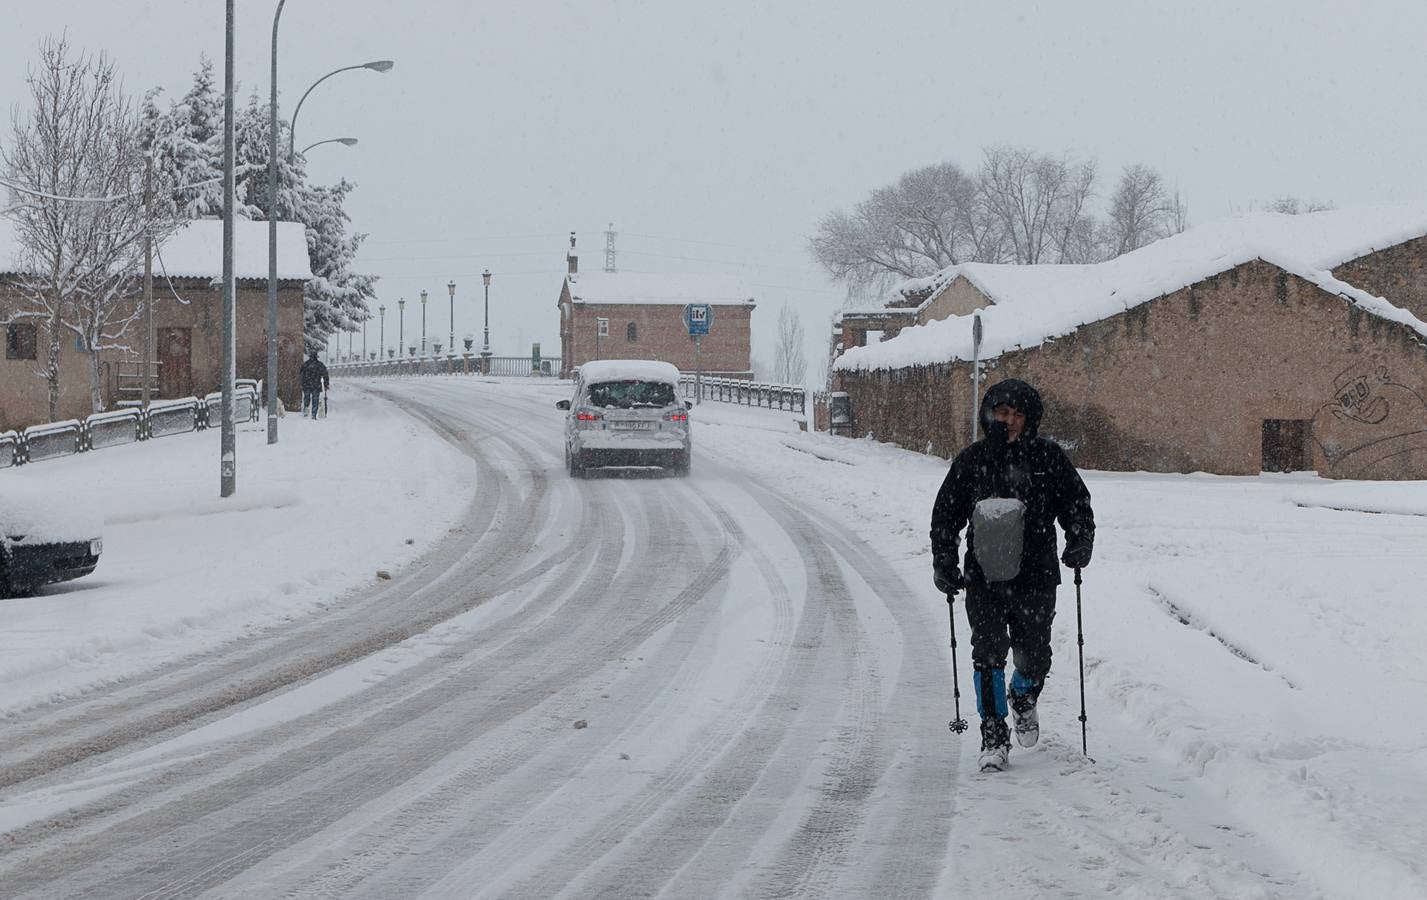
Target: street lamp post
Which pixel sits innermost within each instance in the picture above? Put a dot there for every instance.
(451, 289)
(400, 325)
(486, 343)
(381, 344)
(423, 323)
(272, 238)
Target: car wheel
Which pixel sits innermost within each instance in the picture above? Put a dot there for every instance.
(574, 468)
(682, 466)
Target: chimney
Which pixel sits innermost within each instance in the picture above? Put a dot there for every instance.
(572, 259)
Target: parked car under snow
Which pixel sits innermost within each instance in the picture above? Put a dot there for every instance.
(41, 543)
(626, 412)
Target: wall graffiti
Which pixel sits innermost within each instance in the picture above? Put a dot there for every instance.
(1371, 424)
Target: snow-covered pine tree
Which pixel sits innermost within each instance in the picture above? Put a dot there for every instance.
(188, 146)
(336, 298)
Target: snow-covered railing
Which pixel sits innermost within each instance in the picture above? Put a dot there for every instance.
(124, 426)
(747, 393)
(53, 440)
(450, 364)
(112, 428)
(166, 417)
(9, 448)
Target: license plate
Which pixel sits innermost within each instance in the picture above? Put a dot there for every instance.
(633, 426)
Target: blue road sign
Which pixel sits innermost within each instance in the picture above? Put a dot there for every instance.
(698, 317)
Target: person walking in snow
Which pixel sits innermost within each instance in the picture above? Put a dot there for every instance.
(313, 376)
(1007, 491)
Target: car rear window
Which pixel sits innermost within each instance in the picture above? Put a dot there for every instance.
(631, 393)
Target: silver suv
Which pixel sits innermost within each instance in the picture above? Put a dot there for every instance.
(626, 412)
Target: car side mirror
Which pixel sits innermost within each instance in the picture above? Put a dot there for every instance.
(562, 404)
(688, 404)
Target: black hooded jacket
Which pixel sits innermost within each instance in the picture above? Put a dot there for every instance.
(1031, 469)
(313, 375)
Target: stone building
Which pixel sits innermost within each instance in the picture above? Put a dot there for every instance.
(627, 315)
(1265, 343)
(187, 315)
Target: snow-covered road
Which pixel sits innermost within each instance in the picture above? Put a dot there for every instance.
(737, 684)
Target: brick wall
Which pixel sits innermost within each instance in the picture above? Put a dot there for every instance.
(24, 397)
(660, 334)
(1396, 273)
(1185, 382)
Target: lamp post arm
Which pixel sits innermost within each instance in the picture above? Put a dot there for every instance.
(292, 126)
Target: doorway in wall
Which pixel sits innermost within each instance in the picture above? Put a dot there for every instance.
(1285, 445)
(175, 362)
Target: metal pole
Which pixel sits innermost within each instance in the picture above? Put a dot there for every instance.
(272, 239)
(451, 289)
(228, 460)
(975, 373)
(698, 370)
(486, 340)
(148, 275)
(423, 323)
(400, 327)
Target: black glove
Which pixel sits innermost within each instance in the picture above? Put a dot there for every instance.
(1076, 555)
(948, 579)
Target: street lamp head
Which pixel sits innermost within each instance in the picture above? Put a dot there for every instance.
(347, 142)
(451, 288)
(423, 298)
(486, 277)
(381, 65)
(382, 309)
(401, 304)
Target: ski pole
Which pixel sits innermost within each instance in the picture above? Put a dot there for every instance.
(1080, 648)
(957, 724)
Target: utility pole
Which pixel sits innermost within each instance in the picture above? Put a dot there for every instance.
(228, 460)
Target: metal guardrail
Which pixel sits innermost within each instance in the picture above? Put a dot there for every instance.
(747, 393)
(463, 364)
(123, 426)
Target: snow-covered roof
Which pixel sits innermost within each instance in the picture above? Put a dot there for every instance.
(195, 250)
(1036, 303)
(651, 288)
(629, 370)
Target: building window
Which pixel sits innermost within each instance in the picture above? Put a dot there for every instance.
(631, 332)
(20, 341)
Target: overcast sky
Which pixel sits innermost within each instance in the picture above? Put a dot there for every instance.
(715, 135)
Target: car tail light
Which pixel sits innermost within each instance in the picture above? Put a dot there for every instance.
(588, 417)
(677, 417)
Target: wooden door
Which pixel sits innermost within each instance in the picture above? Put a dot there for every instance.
(175, 362)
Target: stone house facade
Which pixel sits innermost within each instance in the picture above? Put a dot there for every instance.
(187, 316)
(621, 315)
(1258, 367)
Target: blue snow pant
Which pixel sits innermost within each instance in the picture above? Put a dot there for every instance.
(1006, 620)
(313, 395)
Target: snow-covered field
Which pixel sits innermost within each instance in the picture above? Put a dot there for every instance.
(1255, 683)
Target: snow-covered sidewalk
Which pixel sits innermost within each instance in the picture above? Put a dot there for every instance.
(315, 515)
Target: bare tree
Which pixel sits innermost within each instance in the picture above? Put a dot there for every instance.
(76, 166)
(1177, 217)
(1294, 206)
(1038, 201)
(790, 361)
(1139, 210)
(927, 220)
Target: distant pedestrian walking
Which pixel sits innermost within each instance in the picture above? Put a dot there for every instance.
(1008, 490)
(313, 375)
